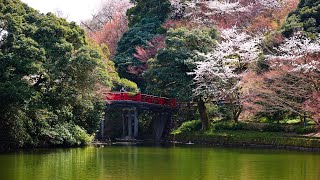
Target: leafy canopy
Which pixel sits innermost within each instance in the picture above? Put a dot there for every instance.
(306, 17)
(145, 20)
(48, 77)
(168, 72)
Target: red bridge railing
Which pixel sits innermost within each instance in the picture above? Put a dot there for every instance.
(124, 96)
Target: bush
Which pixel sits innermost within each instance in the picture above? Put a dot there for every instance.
(273, 128)
(189, 126)
(267, 127)
(225, 111)
(305, 130)
(230, 126)
(67, 134)
(126, 84)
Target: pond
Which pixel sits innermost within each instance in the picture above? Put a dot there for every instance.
(133, 162)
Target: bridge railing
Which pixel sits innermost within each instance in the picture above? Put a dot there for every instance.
(124, 96)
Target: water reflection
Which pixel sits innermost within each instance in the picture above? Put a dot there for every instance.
(159, 163)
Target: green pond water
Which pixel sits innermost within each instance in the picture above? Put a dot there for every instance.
(130, 162)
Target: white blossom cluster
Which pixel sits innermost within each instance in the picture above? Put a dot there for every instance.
(223, 6)
(239, 43)
(3, 34)
(271, 4)
(216, 76)
(226, 6)
(295, 48)
(307, 67)
(299, 45)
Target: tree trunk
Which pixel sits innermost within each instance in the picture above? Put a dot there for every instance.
(203, 114)
(304, 119)
(236, 113)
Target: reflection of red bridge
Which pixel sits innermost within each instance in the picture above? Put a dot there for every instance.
(143, 98)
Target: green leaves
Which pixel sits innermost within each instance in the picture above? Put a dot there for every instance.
(145, 20)
(306, 17)
(48, 78)
(168, 73)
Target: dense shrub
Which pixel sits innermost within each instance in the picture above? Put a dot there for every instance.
(273, 128)
(189, 126)
(268, 127)
(230, 126)
(249, 138)
(305, 130)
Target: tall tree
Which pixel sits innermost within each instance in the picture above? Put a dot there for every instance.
(292, 81)
(168, 72)
(306, 17)
(108, 24)
(218, 77)
(145, 20)
(48, 77)
(254, 15)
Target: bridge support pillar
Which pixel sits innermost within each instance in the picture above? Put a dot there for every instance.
(129, 116)
(159, 123)
(123, 123)
(136, 122)
(130, 123)
(102, 128)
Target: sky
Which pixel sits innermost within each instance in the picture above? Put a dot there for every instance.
(73, 10)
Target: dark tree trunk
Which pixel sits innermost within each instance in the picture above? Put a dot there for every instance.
(304, 119)
(203, 114)
(236, 113)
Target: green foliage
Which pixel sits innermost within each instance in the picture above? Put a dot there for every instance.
(138, 35)
(64, 134)
(306, 17)
(168, 72)
(189, 126)
(229, 126)
(212, 110)
(249, 138)
(145, 20)
(48, 77)
(128, 85)
(225, 111)
(262, 65)
(305, 130)
(270, 127)
(107, 72)
(148, 9)
(263, 127)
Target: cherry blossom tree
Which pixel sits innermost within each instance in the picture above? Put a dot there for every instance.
(218, 77)
(293, 81)
(262, 15)
(108, 24)
(109, 9)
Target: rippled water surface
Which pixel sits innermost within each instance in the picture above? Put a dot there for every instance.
(129, 162)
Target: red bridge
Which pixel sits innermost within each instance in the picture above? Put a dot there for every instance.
(130, 105)
(142, 98)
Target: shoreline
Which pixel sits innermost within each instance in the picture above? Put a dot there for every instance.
(250, 146)
(249, 139)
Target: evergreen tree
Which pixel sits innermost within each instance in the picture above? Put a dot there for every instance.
(306, 17)
(168, 74)
(145, 20)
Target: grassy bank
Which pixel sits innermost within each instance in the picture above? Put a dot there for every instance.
(250, 138)
(248, 134)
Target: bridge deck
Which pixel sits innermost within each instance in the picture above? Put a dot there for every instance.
(142, 100)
